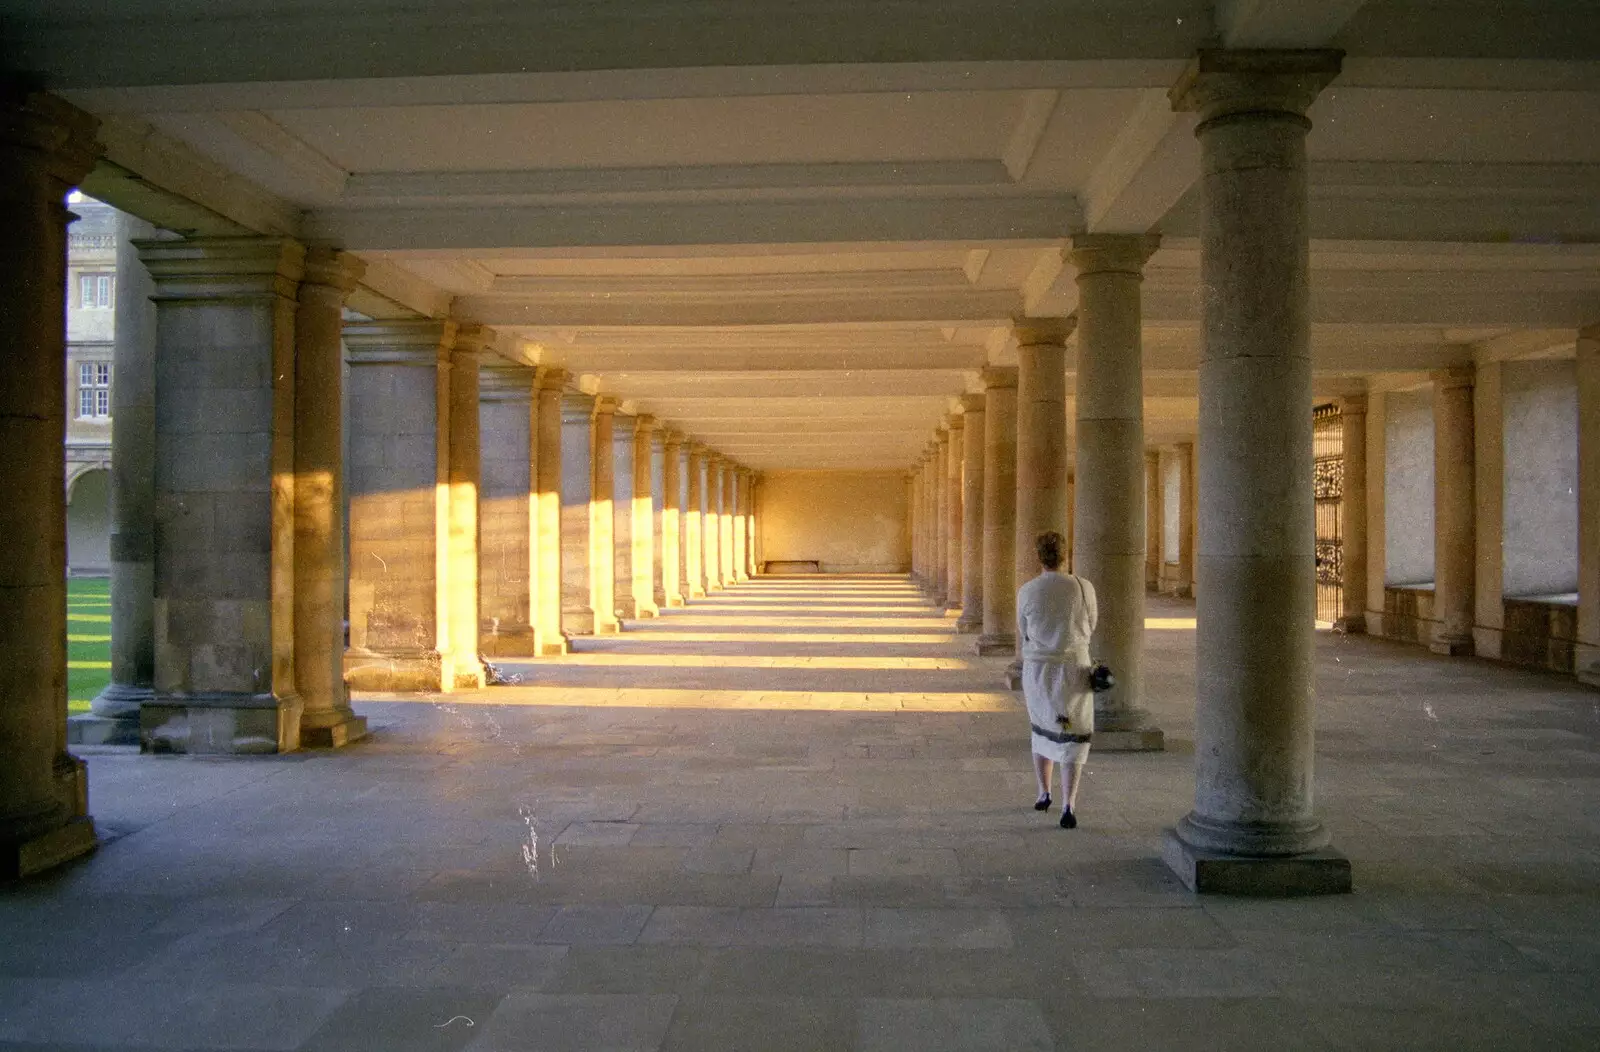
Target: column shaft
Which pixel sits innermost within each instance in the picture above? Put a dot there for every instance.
(1253, 827)
(711, 531)
(741, 528)
(972, 440)
(1454, 512)
(1187, 513)
(1586, 658)
(319, 564)
(46, 146)
(953, 513)
(602, 526)
(1041, 437)
(114, 715)
(672, 515)
(577, 525)
(1113, 548)
(940, 468)
(752, 526)
(549, 637)
(729, 504)
(624, 438)
(694, 525)
(508, 509)
(999, 512)
(1353, 514)
(646, 520)
(918, 524)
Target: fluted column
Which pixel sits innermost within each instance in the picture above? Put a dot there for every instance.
(113, 716)
(46, 147)
(694, 524)
(602, 530)
(672, 516)
(326, 719)
(508, 508)
(1113, 549)
(999, 511)
(645, 572)
(1454, 512)
(1254, 826)
(954, 518)
(1353, 513)
(549, 636)
(577, 514)
(1041, 436)
(972, 440)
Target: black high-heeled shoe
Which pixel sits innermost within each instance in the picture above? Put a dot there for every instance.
(1043, 803)
(1068, 819)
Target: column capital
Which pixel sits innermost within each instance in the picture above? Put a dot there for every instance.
(1111, 253)
(575, 406)
(1220, 83)
(501, 381)
(552, 379)
(1453, 377)
(999, 376)
(974, 403)
(624, 425)
(954, 424)
(214, 268)
(472, 338)
(1353, 405)
(411, 341)
(605, 405)
(672, 440)
(1035, 332)
(646, 423)
(697, 449)
(58, 136)
(331, 267)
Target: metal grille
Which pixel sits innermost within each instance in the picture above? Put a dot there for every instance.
(1327, 446)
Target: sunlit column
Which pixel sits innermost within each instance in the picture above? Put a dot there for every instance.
(319, 566)
(645, 573)
(46, 147)
(918, 524)
(752, 524)
(672, 518)
(602, 529)
(711, 529)
(625, 438)
(941, 511)
(730, 506)
(549, 638)
(577, 514)
(999, 511)
(694, 524)
(508, 508)
(1353, 513)
(972, 439)
(953, 556)
(741, 530)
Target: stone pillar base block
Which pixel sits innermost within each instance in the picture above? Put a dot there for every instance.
(220, 724)
(337, 736)
(1452, 646)
(1014, 675)
(88, 729)
(1142, 739)
(996, 645)
(404, 673)
(555, 649)
(516, 643)
(967, 626)
(1321, 872)
(608, 628)
(45, 851)
(1351, 624)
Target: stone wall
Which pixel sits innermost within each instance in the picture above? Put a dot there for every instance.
(1540, 543)
(848, 521)
(1408, 488)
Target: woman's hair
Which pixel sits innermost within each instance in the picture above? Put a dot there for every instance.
(1049, 546)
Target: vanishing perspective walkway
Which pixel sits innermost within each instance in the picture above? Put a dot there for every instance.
(796, 816)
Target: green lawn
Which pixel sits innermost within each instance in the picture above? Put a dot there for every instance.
(88, 640)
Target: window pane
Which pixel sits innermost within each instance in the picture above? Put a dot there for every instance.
(103, 290)
(102, 373)
(85, 374)
(102, 402)
(85, 291)
(86, 402)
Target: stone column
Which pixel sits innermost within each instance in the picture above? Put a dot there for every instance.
(465, 452)
(972, 440)
(1254, 828)
(577, 516)
(694, 524)
(999, 512)
(46, 147)
(625, 437)
(755, 524)
(954, 516)
(741, 529)
(646, 519)
(1187, 509)
(940, 469)
(113, 717)
(729, 507)
(602, 529)
(672, 516)
(917, 524)
(1041, 436)
(1454, 512)
(225, 507)
(1353, 514)
(1153, 517)
(1586, 656)
(508, 509)
(711, 530)
(326, 718)
(549, 635)
(399, 484)
(1113, 549)
(1488, 509)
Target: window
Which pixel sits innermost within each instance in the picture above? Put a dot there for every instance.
(94, 389)
(95, 291)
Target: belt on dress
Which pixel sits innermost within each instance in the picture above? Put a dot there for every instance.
(1060, 738)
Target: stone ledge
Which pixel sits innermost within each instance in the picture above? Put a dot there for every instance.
(337, 736)
(967, 627)
(1144, 739)
(1322, 872)
(37, 854)
(88, 729)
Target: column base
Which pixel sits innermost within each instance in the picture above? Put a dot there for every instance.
(995, 644)
(1352, 624)
(1586, 664)
(1452, 646)
(607, 628)
(220, 724)
(697, 593)
(968, 625)
(1320, 872)
(397, 672)
(1014, 675)
(33, 854)
(556, 648)
(649, 610)
(674, 602)
(629, 610)
(518, 642)
(337, 735)
(577, 621)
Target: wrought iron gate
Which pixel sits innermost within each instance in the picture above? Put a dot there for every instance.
(1327, 446)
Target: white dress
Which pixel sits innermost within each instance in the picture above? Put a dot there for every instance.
(1056, 615)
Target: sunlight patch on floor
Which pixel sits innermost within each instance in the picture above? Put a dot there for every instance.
(758, 661)
(667, 698)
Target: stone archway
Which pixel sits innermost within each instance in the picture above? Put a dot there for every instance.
(89, 522)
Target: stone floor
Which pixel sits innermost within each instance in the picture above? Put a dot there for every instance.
(796, 817)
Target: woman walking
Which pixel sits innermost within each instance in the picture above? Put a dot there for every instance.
(1056, 616)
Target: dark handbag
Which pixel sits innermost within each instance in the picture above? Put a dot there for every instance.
(1100, 678)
